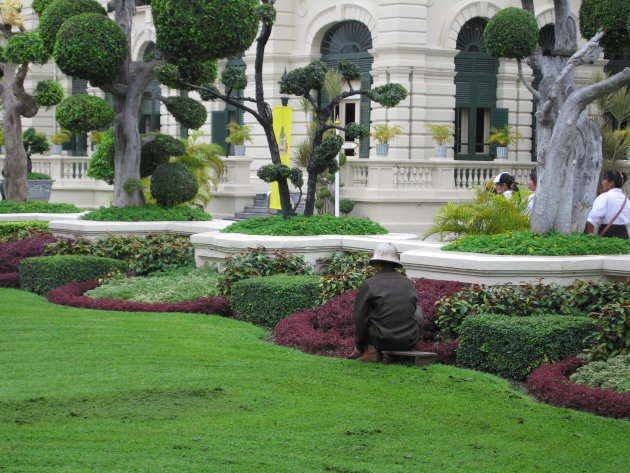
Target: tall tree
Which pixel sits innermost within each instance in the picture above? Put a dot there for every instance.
(569, 149)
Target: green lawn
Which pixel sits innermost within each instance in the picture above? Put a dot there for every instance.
(95, 391)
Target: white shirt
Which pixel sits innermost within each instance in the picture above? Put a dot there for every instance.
(530, 203)
(607, 205)
(508, 194)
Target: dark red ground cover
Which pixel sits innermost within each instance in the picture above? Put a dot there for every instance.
(551, 384)
(12, 252)
(10, 280)
(328, 329)
(72, 295)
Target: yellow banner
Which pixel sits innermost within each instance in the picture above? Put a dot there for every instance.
(282, 122)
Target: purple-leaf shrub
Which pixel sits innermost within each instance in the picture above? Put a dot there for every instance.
(10, 280)
(551, 384)
(12, 252)
(72, 295)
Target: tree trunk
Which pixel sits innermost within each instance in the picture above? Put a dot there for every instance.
(311, 186)
(274, 151)
(588, 165)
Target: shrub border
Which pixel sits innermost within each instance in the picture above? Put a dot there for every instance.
(551, 384)
(72, 295)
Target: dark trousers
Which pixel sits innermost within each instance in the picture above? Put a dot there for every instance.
(618, 231)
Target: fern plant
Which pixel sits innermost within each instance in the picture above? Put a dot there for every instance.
(487, 214)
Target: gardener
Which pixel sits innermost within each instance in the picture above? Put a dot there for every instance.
(386, 315)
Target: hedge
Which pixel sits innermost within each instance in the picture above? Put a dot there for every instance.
(512, 347)
(267, 300)
(45, 273)
(8, 228)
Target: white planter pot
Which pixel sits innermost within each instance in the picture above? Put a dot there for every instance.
(56, 149)
(382, 149)
(239, 150)
(440, 151)
(502, 152)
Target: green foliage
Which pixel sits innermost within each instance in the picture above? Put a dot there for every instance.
(168, 75)
(201, 30)
(353, 131)
(384, 132)
(40, 5)
(612, 331)
(209, 92)
(548, 244)
(36, 206)
(344, 272)
(37, 176)
(61, 136)
(92, 47)
(148, 213)
(10, 230)
(188, 112)
(613, 374)
(277, 172)
(487, 214)
(325, 155)
(198, 73)
(266, 300)
(238, 134)
(133, 184)
(441, 134)
(511, 33)
(349, 70)
(304, 226)
(388, 95)
(143, 254)
(180, 284)
(612, 15)
(58, 12)
(43, 274)
(302, 80)
(259, 262)
(158, 151)
(512, 347)
(346, 206)
(82, 113)
(504, 136)
(26, 47)
(172, 184)
(233, 77)
(101, 165)
(267, 14)
(34, 142)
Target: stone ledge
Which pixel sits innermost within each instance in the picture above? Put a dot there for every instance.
(38, 217)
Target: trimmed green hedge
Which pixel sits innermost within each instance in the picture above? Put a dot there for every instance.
(512, 347)
(305, 226)
(45, 273)
(36, 206)
(148, 213)
(267, 300)
(7, 228)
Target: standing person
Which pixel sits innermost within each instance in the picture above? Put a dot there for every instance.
(386, 315)
(611, 209)
(505, 185)
(532, 182)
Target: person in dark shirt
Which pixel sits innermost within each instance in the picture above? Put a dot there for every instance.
(386, 315)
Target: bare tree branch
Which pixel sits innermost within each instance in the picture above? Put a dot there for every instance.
(525, 82)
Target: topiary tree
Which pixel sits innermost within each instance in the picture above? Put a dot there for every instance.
(34, 142)
(22, 48)
(87, 44)
(569, 147)
(172, 184)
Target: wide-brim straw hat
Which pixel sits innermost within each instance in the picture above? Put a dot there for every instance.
(386, 252)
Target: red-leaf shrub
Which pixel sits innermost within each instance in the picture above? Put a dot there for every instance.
(72, 295)
(328, 329)
(551, 384)
(10, 280)
(12, 252)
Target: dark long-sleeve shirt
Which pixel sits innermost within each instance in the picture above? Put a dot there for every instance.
(386, 312)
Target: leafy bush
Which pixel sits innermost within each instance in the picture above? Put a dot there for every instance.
(581, 298)
(48, 93)
(25, 47)
(344, 272)
(549, 244)
(266, 300)
(258, 262)
(34, 176)
(612, 331)
(148, 213)
(613, 16)
(181, 284)
(512, 347)
(13, 252)
(9, 230)
(157, 152)
(188, 112)
(613, 374)
(550, 383)
(72, 295)
(172, 184)
(144, 254)
(101, 165)
(44, 273)
(82, 113)
(305, 226)
(511, 33)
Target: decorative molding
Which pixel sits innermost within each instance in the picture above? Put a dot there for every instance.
(481, 9)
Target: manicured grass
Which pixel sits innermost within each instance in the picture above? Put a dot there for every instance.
(97, 391)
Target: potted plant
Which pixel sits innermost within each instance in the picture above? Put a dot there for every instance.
(239, 134)
(96, 137)
(384, 133)
(441, 134)
(502, 138)
(39, 184)
(58, 139)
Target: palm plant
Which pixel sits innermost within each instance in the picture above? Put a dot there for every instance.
(487, 214)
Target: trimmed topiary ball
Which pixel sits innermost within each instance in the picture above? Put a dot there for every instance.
(188, 112)
(26, 47)
(48, 93)
(511, 33)
(157, 152)
(82, 113)
(58, 12)
(91, 47)
(302, 80)
(40, 5)
(201, 30)
(172, 184)
(614, 17)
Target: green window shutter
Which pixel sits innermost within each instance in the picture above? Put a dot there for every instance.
(498, 119)
(365, 115)
(78, 144)
(219, 128)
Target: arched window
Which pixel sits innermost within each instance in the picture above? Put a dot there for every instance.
(476, 92)
(350, 41)
(547, 43)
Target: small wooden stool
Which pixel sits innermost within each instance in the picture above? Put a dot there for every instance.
(420, 358)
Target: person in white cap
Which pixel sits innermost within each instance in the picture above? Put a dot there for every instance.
(386, 315)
